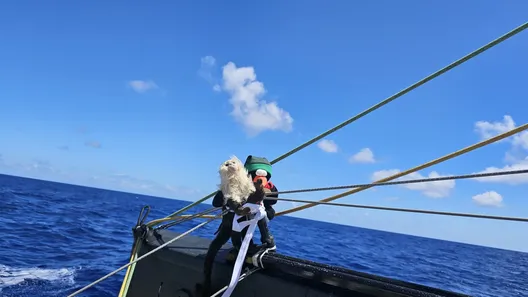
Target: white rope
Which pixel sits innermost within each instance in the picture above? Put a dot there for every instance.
(142, 257)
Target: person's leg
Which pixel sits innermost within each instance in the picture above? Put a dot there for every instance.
(238, 237)
(221, 238)
(270, 213)
(266, 238)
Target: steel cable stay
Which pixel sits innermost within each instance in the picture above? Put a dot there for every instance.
(378, 105)
(144, 256)
(414, 169)
(137, 244)
(445, 213)
(389, 183)
(188, 217)
(402, 182)
(375, 184)
(430, 77)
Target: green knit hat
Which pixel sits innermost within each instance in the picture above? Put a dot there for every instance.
(253, 163)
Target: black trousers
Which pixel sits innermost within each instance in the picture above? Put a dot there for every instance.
(225, 232)
(222, 237)
(265, 235)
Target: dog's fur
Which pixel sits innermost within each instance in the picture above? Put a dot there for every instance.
(235, 182)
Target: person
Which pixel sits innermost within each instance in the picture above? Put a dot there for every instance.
(260, 171)
(237, 187)
(260, 168)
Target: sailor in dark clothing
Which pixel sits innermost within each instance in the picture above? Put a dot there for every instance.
(224, 232)
(260, 169)
(235, 188)
(260, 172)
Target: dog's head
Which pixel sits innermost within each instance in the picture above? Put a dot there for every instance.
(235, 182)
(231, 167)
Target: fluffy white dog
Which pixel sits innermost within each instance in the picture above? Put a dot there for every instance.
(235, 182)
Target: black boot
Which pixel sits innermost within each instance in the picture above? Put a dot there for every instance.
(268, 242)
(253, 248)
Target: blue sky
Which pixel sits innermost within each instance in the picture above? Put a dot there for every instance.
(152, 97)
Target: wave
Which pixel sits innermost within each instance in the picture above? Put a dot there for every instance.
(10, 276)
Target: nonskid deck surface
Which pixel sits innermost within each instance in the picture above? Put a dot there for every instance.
(178, 268)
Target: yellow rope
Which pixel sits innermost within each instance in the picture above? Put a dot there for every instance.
(417, 168)
(126, 281)
(371, 109)
(130, 270)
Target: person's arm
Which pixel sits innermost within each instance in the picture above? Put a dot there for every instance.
(269, 203)
(233, 205)
(218, 200)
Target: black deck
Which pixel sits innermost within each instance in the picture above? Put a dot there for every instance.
(179, 267)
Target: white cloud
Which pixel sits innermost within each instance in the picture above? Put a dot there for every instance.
(208, 64)
(491, 198)
(254, 114)
(519, 142)
(208, 61)
(365, 155)
(128, 183)
(142, 86)
(328, 146)
(438, 189)
(513, 179)
(490, 129)
(43, 169)
(381, 174)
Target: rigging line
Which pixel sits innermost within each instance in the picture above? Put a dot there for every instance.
(127, 278)
(456, 214)
(173, 218)
(144, 256)
(417, 168)
(422, 180)
(412, 181)
(190, 217)
(382, 103)
(407, 90)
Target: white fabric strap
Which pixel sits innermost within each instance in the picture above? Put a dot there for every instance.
(259, 213)
(257, 258)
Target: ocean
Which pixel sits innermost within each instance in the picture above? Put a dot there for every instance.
(57, 238)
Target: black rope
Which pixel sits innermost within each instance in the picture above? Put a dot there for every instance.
(391, 183)
(456, 214)
(143, 215)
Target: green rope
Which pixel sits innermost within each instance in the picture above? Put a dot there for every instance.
(380, 104)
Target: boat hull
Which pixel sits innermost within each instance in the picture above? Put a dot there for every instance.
(176, 269)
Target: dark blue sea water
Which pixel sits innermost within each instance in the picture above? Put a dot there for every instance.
(57, 238)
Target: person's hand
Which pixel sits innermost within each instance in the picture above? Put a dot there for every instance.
(270, 213)
(243, 211)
